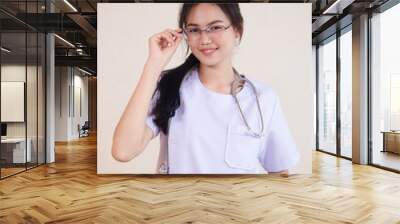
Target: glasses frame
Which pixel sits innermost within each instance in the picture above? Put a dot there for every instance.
(207, 30)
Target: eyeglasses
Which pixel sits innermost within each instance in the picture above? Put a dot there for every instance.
(193, 33)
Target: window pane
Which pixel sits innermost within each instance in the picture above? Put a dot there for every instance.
(41, 98)
(327, 97)
(386, 88)
(31, 100)
(346, 94)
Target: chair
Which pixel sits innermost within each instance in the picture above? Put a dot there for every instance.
(84, 130)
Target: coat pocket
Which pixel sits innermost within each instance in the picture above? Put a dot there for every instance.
(242, 148)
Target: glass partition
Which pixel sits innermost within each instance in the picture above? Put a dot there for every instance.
(14, 155)
(22, 77)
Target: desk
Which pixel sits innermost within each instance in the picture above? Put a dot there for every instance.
(391, 141)
(15, 148)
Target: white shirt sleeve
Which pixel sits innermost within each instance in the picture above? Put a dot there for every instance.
(279, 151)
(149, 120)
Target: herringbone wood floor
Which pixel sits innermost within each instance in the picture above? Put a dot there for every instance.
(70, 191)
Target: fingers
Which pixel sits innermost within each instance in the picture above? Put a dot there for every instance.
(170, 36)
(165, 37)
(175, 33)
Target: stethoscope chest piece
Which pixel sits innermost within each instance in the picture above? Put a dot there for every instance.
(163, 168)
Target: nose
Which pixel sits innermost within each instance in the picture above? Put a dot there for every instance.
(204, 38)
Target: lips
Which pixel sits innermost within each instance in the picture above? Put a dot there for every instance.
(208, 51)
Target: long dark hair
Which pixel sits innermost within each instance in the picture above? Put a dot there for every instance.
(168, 97)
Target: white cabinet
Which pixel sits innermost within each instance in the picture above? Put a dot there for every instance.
(18, 149)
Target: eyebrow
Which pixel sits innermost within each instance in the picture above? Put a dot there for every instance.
(210, 23)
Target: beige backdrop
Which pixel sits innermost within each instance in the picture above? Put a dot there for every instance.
(275, 49)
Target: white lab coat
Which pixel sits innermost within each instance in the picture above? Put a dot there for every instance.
(208, 136)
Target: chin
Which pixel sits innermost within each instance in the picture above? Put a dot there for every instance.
(209, 61)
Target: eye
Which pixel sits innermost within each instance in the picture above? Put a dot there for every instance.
(192, 30)
(216, 28)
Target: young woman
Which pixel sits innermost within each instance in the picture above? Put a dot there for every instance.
(210, 119)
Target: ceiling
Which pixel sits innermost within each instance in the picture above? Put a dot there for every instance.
(76, 22)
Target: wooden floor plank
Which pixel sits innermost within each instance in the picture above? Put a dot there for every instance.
(70, 191)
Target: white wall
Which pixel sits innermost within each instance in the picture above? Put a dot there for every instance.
(68, 81)
(61, 103)
(15, 72)
(275, 49)
(80, 103)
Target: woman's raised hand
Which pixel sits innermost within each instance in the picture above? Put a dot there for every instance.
(163, 45)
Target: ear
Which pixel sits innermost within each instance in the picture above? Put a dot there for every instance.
(237, 33)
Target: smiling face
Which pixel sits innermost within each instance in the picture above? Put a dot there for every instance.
(215, 47)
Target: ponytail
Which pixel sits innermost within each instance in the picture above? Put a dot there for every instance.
(168, 99)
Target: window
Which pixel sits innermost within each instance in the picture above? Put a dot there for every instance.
(327, 96)
(346, 93)
(385, 88)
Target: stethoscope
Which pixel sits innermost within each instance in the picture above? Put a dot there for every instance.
(236, 87)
